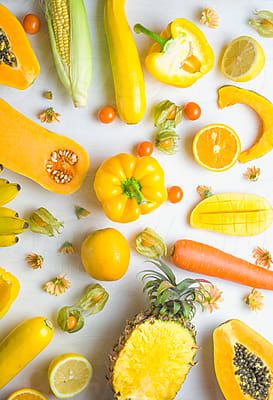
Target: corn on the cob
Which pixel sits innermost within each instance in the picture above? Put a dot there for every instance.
(71, 46)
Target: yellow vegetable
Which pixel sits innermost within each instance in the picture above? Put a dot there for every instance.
(127, 71)
(9, 289)
(181, 54)
(235, 214)
(128, 186)
(23, 344)
(230, 95)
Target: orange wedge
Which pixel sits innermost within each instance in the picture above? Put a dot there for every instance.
(216, 147)
(27, 394)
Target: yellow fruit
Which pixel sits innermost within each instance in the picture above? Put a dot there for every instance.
(105, 254)
(235, 214)
(69, 374)
(216, 147)
(27, 394)
(243, 59)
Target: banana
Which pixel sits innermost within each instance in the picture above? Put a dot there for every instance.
(3, 181)
(8, 192)
(1, 168)
(8, 240)
(8, 212)
(12, 226)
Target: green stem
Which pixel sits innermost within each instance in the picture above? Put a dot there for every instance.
(138, 28)
(132, 189)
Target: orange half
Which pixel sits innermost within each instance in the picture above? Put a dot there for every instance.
(216, 147)
(27, 394)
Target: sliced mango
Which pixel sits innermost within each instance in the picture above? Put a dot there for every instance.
(235, 214)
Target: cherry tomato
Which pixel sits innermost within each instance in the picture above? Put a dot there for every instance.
(31, 23)
(145, 149)
(192, 111)
(107, 114)
(175, 194)
(71, 322)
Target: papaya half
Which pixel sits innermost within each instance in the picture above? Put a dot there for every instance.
(19, 66)
(53, 161)
(230, 95)
(243, 362)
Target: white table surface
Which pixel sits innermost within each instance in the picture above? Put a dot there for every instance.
(171, 221)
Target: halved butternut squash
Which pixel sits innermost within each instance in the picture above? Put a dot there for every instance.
(19, 66)
(55, 162)
(243, 362)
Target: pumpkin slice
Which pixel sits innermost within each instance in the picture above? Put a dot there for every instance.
(236, 214)
(55, 162)
(243, 362)
(230, 95)
(19, 66)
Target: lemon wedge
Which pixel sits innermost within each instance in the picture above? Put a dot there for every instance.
(27, 394)
(243, 59)
(69, 374)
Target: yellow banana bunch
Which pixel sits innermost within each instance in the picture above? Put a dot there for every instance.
(10, 223)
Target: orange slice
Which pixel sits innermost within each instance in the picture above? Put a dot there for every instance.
(216, 147)
(27, 394)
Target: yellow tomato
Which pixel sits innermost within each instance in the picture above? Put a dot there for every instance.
(105, 254)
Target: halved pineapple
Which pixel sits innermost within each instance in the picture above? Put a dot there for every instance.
(154, 361)
(156, 350)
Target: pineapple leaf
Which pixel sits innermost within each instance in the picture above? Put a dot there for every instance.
(176, 307)
(166, 270)
(185, 284)
(164, 286)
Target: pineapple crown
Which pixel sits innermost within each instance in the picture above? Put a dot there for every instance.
(176, 300)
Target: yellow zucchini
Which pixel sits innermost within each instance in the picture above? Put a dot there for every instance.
(127, 71)
(235, 214)
(22, 345)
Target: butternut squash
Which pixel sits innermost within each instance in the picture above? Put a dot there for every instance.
(243, 362)
(53, 161)
(230, 95)
(19, 66)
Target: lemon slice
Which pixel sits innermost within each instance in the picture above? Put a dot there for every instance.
(69, 374)
(27, 394)
(243, 59)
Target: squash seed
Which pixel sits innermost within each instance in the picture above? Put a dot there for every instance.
(6, 55)
(254, 376)
(60, 165)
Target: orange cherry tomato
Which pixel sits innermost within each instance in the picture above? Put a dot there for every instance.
(71, 322)
(145, 149)
(192, 111)
(107, 114)
(175, 194)
(31, 23)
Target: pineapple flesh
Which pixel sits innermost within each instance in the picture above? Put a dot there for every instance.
(156, 350)
(154, 361)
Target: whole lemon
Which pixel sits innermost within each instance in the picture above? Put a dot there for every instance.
(105, 254)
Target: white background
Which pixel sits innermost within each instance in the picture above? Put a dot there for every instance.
(171, 221)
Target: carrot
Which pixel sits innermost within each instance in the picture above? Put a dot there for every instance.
(203, 259)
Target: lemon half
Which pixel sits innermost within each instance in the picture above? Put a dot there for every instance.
(243, 59)
(69, 374)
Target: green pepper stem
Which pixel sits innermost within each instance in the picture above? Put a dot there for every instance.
(138, 28)
(132, 189)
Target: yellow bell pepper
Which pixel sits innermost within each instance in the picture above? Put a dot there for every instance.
(126, 66)
(181, 54)
(9, 289)
(128, 186)
(236, 214)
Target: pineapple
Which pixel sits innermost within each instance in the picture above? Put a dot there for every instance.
(156, 350)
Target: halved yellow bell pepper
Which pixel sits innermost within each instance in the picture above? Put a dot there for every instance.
(128, 186)
(9, 289)
(181, 55)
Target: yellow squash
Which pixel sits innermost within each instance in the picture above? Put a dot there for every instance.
(22, 345)
(9, 289)
(127, 71)
(128, 186)
(235, 214)
(230, 95)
